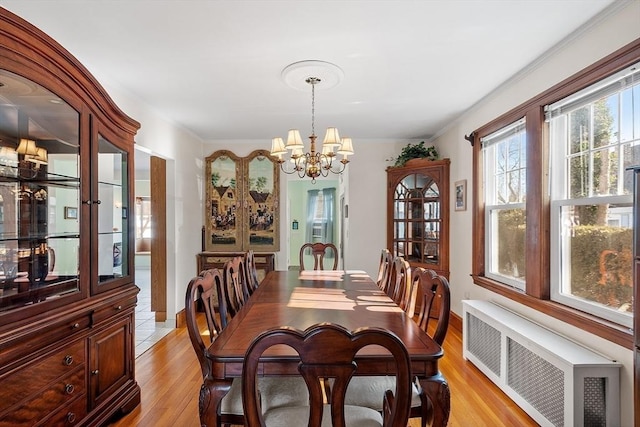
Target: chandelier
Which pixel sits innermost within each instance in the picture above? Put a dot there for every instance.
(313, 163)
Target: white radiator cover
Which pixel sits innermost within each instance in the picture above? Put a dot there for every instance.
(556, 381)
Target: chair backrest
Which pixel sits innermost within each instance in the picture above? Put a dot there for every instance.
(252, 272)
(319, 251)
(401, 279)
(208, 288)
(327, 351)
(436, 302)
(384, 269)
(235, 282)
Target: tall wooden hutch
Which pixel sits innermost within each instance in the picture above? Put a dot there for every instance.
(418, 213)
(67, 292)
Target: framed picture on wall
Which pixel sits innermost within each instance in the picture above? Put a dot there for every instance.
(70, 212)
(460, 197)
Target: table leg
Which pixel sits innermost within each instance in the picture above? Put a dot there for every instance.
(211, 394)
(437, 390)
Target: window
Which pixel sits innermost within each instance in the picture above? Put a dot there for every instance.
(593, 137)
(321, 215)
(553, 198)
(504, 153)
(143, 224)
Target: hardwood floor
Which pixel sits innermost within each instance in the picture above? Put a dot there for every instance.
(170, 378)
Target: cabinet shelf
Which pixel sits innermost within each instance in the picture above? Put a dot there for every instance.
(5, 237)
(110, 184)
(48, 179)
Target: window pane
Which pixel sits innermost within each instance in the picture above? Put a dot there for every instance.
(597, 254)
(508, 245)
(579, 128)
(578, 175)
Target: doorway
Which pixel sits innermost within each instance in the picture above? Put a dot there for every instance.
(312, 217)
(150, 250)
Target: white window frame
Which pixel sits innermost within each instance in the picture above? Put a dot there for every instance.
(491, 244)
(558, 165)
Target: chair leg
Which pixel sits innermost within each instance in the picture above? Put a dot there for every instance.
(427, 411)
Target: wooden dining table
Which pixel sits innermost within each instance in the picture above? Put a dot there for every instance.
(301, 299)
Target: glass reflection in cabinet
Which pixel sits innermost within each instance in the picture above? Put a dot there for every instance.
(417, 219)
(113, 237)
(39, 179)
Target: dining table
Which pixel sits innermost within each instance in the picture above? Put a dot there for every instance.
(300, 299)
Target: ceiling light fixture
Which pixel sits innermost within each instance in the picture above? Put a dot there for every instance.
(313, 163)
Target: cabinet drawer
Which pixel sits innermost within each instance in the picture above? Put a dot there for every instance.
(56, 395)
(69, 415)
(30, 379)
(55, 332)
(113, 308)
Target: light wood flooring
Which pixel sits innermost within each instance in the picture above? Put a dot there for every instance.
(169, 376)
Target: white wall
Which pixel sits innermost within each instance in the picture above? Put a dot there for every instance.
(586, 47)
(183, 153)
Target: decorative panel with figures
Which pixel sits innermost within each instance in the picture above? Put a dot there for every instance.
(241, 202)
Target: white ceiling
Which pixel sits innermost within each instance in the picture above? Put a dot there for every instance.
(410, 67)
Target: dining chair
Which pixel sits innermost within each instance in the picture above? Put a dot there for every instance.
(319, 251)
(401, 277)
(251, 271)
(209, 289)
(235, 281)
(435, 309)
(384, 269)
(433, 292)
(328, 351)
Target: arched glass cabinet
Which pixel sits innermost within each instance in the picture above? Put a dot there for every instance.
(418, 213)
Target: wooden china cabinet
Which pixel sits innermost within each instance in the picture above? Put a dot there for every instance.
(67, 292)
(418, 213)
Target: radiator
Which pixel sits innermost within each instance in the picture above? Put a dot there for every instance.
(556, 381)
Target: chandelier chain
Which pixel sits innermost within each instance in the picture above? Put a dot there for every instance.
(313, 81)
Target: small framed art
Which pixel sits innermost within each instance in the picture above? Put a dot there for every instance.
(461, 195)
(70, 212)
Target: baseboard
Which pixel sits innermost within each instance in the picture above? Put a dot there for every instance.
(455, 321)
(181, 319)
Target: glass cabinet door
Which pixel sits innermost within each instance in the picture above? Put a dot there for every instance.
(416, 219)
(113, 229)
(39, 194)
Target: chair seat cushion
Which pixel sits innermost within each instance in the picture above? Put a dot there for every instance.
(369, 391)
(274, 392)
(296, 416)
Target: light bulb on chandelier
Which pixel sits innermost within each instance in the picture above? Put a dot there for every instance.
(313, 164)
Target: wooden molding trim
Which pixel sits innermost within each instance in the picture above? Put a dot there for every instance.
(181, 319)
(455, 321)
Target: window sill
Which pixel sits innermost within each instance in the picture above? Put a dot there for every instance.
(604, 329)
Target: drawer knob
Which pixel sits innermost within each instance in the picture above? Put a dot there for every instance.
(75, 326)
(95, 372)
(69, 388)
(71, 417)
(68, 360)
(118, 307)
